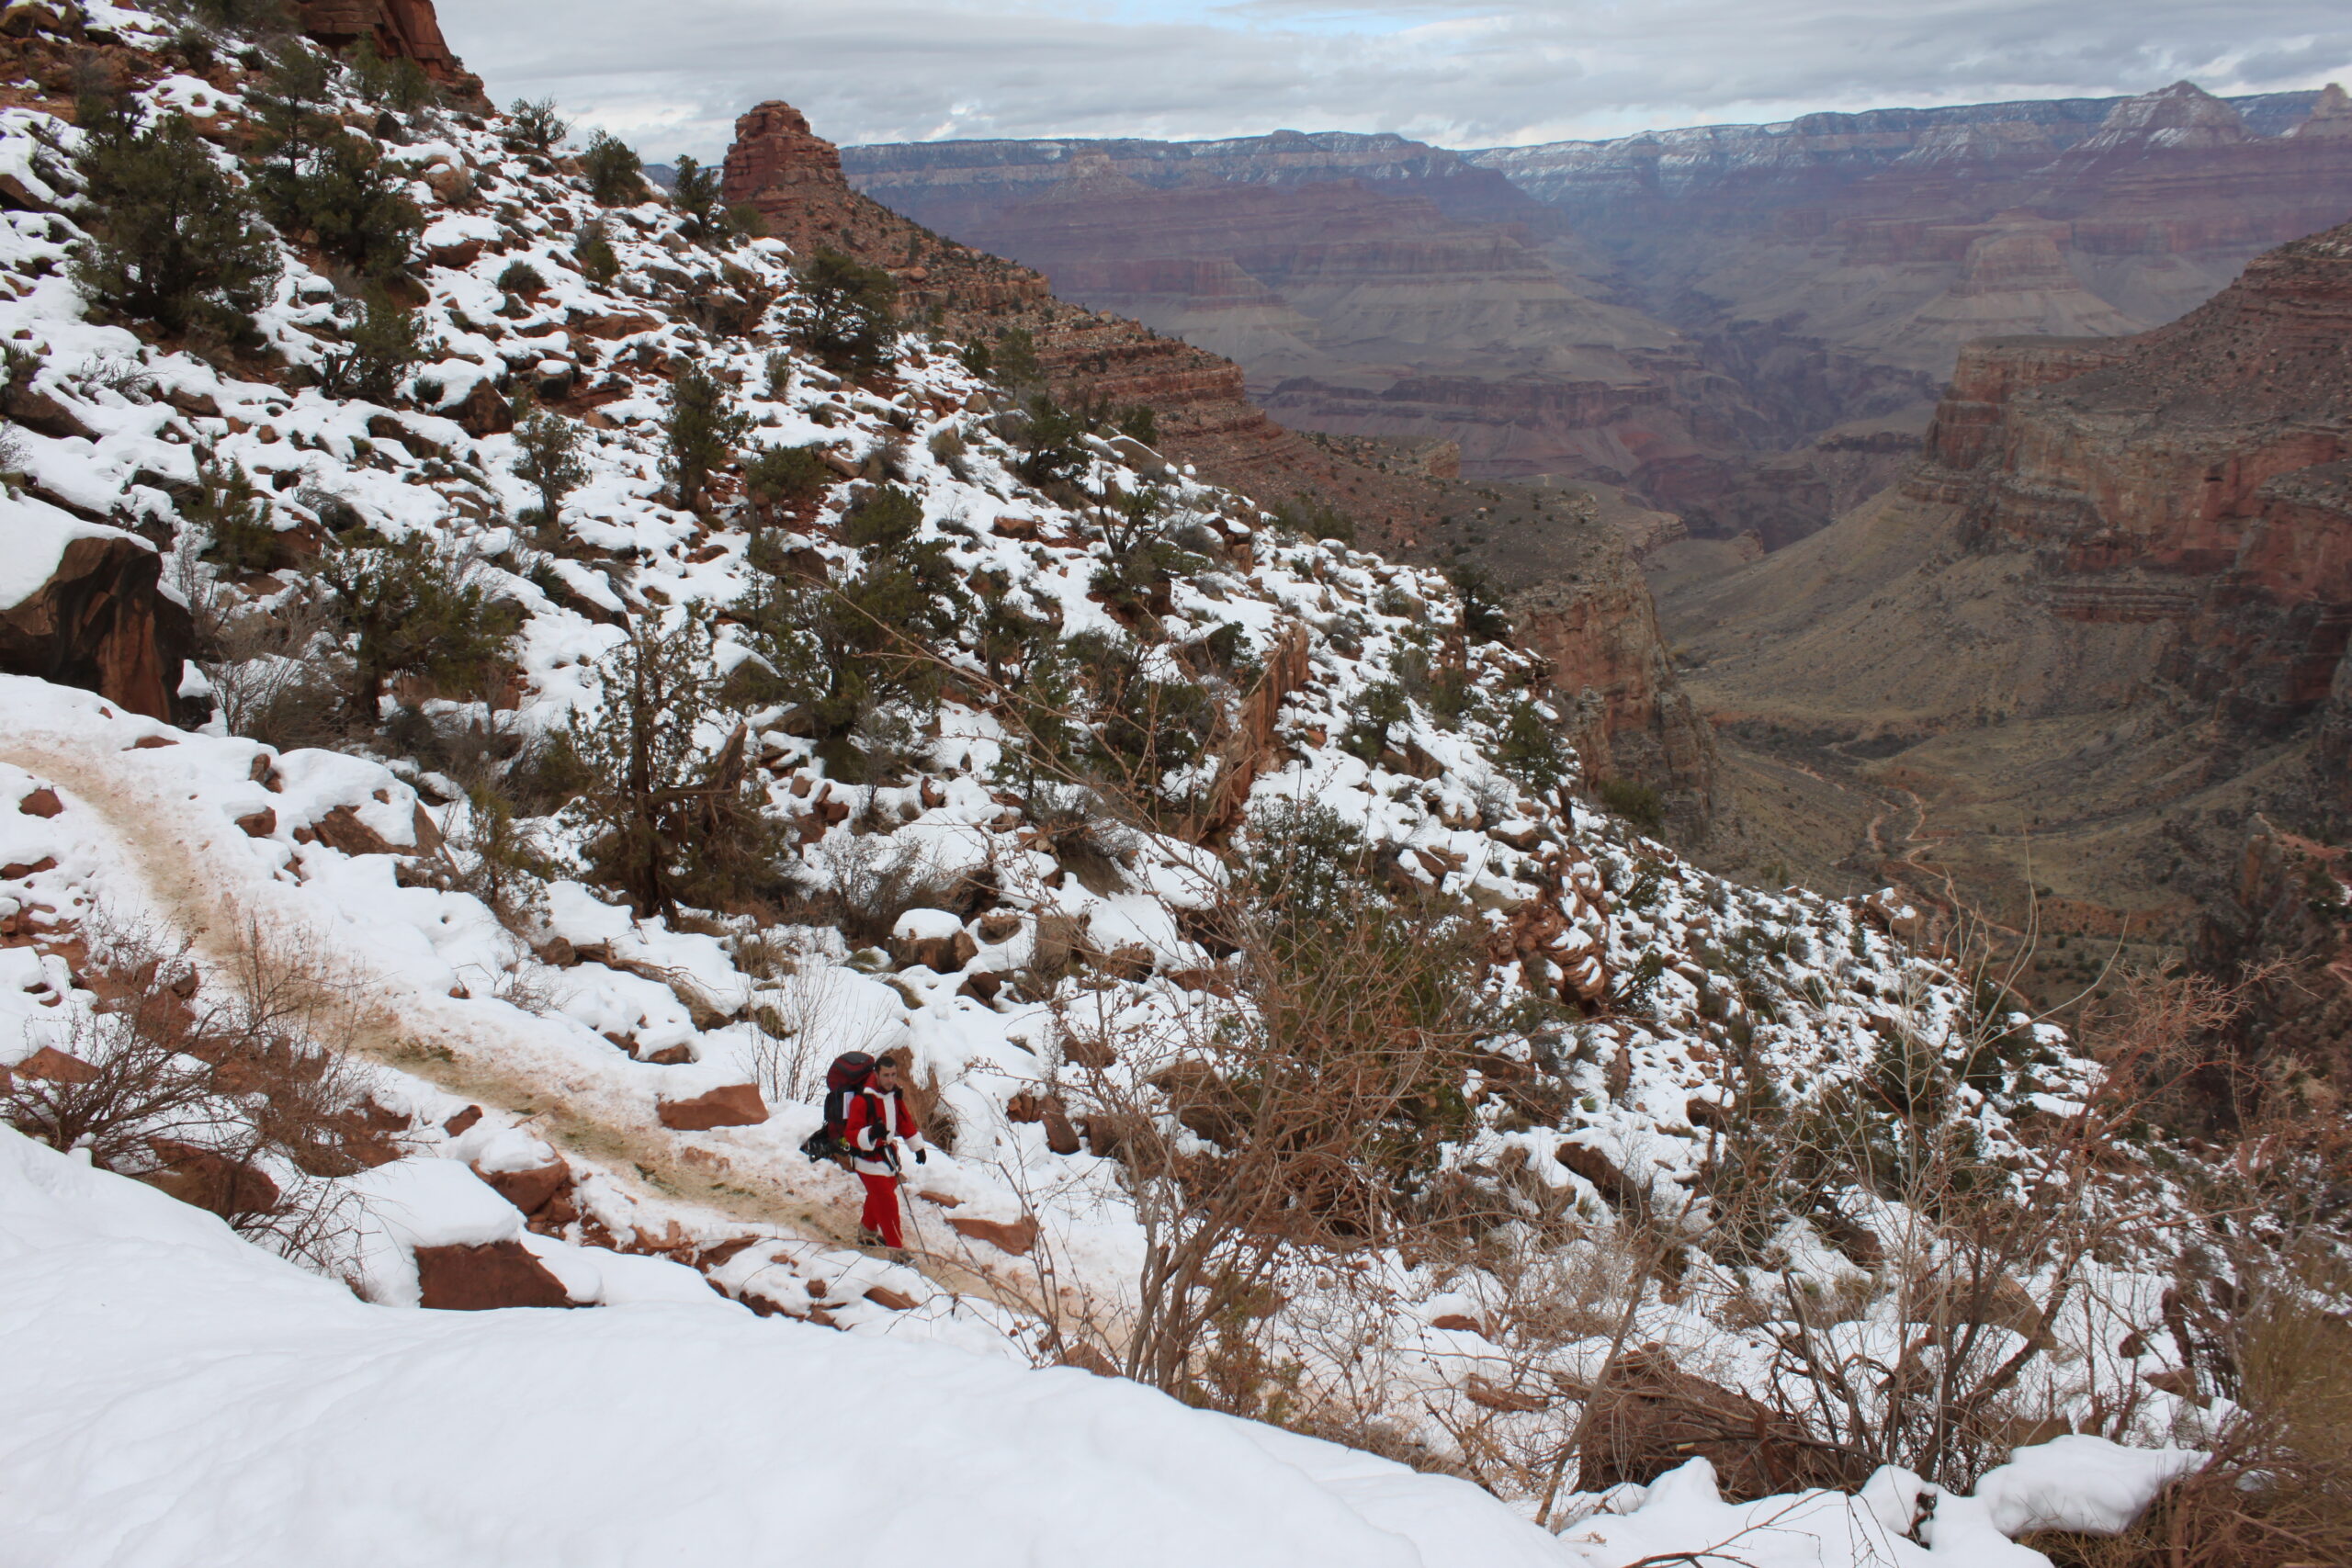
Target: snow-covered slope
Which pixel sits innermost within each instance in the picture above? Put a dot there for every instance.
(176, 1396)
(527, 1064)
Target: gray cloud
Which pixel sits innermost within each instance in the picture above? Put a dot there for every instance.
(1461, 73)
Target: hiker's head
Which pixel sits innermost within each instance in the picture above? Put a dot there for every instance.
(886, 1073)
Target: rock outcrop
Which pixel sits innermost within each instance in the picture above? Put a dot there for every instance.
(400, 30)
(1629, 717)
(101, 622)
(486, 1278)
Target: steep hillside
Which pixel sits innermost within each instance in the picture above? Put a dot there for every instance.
(1569, 574)
(629, 672)
(2103, 621)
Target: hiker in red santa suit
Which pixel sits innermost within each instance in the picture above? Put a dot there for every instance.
(880, 1128)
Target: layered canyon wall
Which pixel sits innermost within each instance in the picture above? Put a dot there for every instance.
(1722, 319)
(2101, 625)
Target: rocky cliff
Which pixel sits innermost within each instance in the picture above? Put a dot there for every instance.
(1369, 285)
(1902, 233)
(400, 30)
(2111, 603)
(1577, 595)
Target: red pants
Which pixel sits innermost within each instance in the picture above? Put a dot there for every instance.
(881, 1216)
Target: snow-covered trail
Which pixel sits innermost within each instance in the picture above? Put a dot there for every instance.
(196, 880)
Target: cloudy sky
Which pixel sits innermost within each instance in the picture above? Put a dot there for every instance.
(671, 74)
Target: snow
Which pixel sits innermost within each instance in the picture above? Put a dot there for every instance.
(191, 1399)
(2073, 1484)
(38, 536)
(2079, 1483)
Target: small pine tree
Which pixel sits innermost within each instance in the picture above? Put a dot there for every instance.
(547, 457)
(385, 343)
(1531, 750)
(852, 308)
(616, 173)
(230, 511)
(593, 247)
(317, 178)
(398, 82)
(778, 475)
(410, 612)
(1016, 362)
(536, 127)
(177, 241)
(700, 433)
(671, 816)
(697, 196)
(1484, 619)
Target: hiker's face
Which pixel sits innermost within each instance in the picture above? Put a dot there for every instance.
(886, 1076)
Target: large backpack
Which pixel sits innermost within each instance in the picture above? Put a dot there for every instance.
(850, 1072)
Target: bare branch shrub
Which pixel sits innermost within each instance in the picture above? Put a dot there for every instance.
(241, 1100)
(804, 1020)
(1303, 1113)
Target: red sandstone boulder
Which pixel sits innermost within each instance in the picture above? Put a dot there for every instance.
(479, 1279)
(733, 1105)
(42, 802)
(933, 939)
(101, 622)
(210, 1180)
(529, 1190)
(53, 1066)
(1016, 1236)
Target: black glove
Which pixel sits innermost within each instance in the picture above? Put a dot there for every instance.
(921, 1154)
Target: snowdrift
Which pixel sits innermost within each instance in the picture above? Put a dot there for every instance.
(176, 1396)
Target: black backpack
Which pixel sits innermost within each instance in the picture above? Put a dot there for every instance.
(850, 1072)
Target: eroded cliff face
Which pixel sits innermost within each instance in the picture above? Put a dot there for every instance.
(1900, 234)
(400, 30)
(2108, 606)
(2194, 475)
(1628, 715)
(1576, 594)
